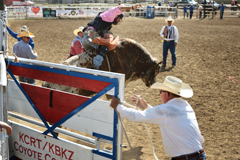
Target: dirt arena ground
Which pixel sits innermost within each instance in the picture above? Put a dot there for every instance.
(207, 54)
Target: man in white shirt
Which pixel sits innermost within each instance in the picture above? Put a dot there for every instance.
(180, 132)
(170, 35)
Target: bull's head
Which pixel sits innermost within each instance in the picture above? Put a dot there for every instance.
(149, 76)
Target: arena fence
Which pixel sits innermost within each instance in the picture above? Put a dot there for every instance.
(25, 12)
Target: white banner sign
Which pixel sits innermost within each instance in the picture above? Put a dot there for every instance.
(35, 11)
(78, 13)
(28, 144)
(19, 10)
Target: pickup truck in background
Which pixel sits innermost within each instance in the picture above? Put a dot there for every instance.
(187, 2)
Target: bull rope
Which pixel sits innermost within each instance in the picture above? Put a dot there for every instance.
(109, 67)
(145, 126)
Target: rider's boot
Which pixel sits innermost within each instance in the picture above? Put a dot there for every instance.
(97, 60)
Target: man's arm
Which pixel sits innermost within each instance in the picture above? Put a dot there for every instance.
(162, 31)
(30, 53)
(5, 126)
(176, 35)
(13, 34)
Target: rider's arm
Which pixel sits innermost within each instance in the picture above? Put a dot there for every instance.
(110, 15)
(128, 8)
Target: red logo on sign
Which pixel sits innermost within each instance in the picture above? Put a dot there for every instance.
(35, 9)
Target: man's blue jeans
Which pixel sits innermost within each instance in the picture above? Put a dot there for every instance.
(221, 14)
(191, 13)
(169, 45)
(185, 13)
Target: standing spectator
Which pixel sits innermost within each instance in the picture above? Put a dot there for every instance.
(210, 2)
(170, 5)
(233, 7)
(200, 8)
(170, 35)
(76, 46)
(222, 7)
(191, 8)
(14, 35)
(159, 5)
(4, 125)
(185, 8)
(98, 35)
(24, 50)
(181, 136)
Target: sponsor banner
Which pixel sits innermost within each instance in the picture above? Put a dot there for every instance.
(36, 11)
(19, 10)
(78, 13)
(28, 144)
(49, 13)
(67, 13)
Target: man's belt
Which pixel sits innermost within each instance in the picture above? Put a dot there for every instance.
(185, 157)
(168, 40)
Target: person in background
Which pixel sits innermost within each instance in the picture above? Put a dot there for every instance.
(24, 50)
(181, 136)
(76, 46)
(185, 8)
(233, 7)
(14, 35)
(222, 7)
(8, 128)
(98, 35)
(191, 8)
(170, 35)
(200, 8)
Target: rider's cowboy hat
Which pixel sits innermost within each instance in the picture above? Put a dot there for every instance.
(25, 34)
(175, 86)
(169, 19)
(80, 29)
(24, 28)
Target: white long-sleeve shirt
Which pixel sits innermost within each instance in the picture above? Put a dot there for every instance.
(177, 122)
(172, 33)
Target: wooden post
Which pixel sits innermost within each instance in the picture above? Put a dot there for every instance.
(204, 9)
(2, 5)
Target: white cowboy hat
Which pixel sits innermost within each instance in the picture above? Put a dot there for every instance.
(175, 86)
(80, 29)
(25, 34)
(169, 19)
(24, 28)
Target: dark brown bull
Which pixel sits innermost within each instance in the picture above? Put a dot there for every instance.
(129, 58)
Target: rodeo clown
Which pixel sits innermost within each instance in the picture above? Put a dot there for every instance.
(97, 32)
